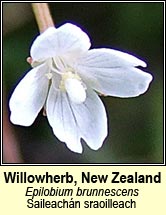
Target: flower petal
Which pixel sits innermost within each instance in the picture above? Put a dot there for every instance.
(62, 119)
(109, 58)
(114, 76)
(71, 121)
(65, 40)
(92, 119)
(29, 96)
(121, 82)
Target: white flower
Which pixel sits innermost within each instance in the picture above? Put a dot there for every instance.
(65, 80)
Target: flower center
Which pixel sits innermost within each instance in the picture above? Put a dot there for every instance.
(71, 82)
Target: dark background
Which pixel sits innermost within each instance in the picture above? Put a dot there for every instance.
(135, 124)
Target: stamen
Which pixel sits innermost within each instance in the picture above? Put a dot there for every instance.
(52, 68)
(48, 75)
(60, 64)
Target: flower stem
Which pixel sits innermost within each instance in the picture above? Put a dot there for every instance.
(43, 16)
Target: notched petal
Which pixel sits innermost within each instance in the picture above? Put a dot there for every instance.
(114, 76)
(68, 40)
(71, 121)
(109, 58)
(92, 117)
(62, 120)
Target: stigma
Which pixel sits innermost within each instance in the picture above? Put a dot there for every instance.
(75, 90)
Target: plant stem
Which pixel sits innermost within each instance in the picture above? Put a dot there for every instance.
(11, 149)
(43, 16)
